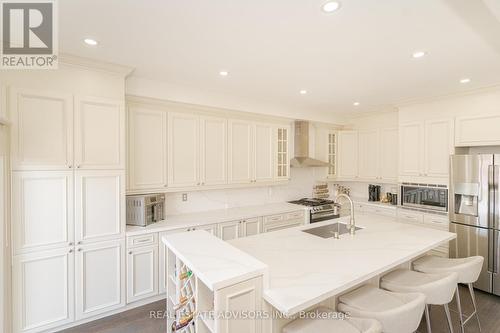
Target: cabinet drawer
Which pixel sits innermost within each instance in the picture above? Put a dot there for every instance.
(273, 218)
(295, 215)
(380, 211)
(142, 240)
(437, 222)
(410, 217)
(280, 226)
(251, 220)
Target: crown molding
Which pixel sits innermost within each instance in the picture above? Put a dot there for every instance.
(96, 65)
(437, 98)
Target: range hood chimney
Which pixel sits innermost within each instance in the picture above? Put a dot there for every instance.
(302, 158)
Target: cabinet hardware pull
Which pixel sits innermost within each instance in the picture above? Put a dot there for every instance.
(79, 242)
(71, 251)
(78, 167)
(70, 243)
(79, 249)
(70, 166)
(129, 252)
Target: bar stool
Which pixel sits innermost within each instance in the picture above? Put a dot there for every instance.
(321, 322)
(437, 288)
(397, 312)
(468, 270)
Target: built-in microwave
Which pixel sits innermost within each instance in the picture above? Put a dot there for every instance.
(424, 196)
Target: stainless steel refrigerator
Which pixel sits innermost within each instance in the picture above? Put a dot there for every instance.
(474, 214)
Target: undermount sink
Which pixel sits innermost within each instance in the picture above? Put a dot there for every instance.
(329, 230)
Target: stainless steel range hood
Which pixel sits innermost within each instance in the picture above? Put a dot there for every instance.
(302, 158)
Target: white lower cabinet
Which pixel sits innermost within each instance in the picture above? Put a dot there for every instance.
(100, 278)
(282, 221)
(250, 227)
(230, 230)
(43, 290)
(142, 272)
(408, 216)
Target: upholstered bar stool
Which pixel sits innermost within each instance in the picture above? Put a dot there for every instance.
(437, 288)
(468, 270)
(323, 323)
(397, 312)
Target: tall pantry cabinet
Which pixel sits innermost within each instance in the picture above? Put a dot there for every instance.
(68, 209)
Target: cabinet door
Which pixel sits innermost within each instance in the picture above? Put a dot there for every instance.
(43, 290)
(183, 150)
(411, 139)
(250, 227)
(99, 133)
(348, 154)
(282, 153)
(368, 154)
(99, 205)
(263, 147)
(244, 297)
(211, 228)
(213, 145)
(42, 210)
(147, 145)
(3, 104)
(100, 278)
(230, 230)
(240, 160)
(438, 147)
(389, 150)
(42, 130)
(142, 273)
(332, 154)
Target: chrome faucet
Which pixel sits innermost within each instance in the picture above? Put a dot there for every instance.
(352, 222)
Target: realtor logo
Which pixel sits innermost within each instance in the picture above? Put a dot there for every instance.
(29, 39)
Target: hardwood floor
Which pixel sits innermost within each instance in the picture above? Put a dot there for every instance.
(138, 320)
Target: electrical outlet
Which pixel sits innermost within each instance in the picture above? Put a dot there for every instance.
(184, 197)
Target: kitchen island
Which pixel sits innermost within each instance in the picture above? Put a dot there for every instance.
(303, 270)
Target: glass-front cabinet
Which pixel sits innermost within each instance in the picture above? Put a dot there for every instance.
(282, 153)
(332, 154)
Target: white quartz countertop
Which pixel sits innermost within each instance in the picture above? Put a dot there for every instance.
(374, 203)
(215, 262)
(179, 221)
(305, 269)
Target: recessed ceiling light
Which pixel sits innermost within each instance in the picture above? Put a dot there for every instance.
(419, 54)
(303, 92)
(223, 73)
(331, 6)
(355, 103)
(465, 80)
(90, 41)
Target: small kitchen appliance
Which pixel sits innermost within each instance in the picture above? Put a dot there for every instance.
(143, 210)
(374, 192)
(319, 209)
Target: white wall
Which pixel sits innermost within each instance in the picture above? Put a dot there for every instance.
(303, 179)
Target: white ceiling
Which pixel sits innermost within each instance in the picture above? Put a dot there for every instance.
(274, 48)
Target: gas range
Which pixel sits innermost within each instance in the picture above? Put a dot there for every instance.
(319, 209)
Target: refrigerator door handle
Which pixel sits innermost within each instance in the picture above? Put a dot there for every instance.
(491, 195)
(496, 180)
(492, 263)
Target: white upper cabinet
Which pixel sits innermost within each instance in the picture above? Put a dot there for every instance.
(42, 209)
(263, 147)
(425, 149)
(99, 205)
(213, 148)
(183, 150)
(43, 290)
(100, 278)
(348, 154)
(147, 147)
(368, 154)
(99, 133)
(240, 152)
(411, 150)
(438, 147)
(388, 156)
(331, 154)
(282, 153)
(477, 131)
(42, 130)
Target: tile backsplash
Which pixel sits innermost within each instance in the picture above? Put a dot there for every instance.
(300, 186)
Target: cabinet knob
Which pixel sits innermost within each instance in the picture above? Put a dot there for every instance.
(78, 167)
(165, 185)
(70, 243)
(70, 166)
(79, 250)
(70, 250)
(79, 242)
(129, 252)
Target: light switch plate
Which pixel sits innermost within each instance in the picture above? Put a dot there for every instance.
(184, 197)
